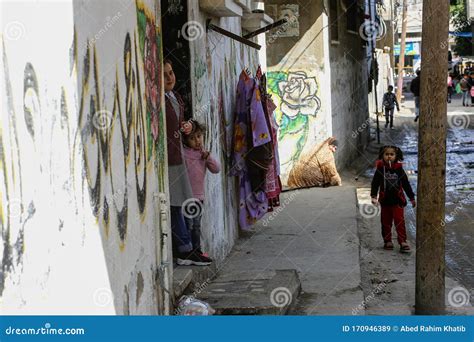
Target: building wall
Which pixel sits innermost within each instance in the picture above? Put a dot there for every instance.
(331, 78)
(217, 62)
(82, 155)
(349, 93)
(298, 79)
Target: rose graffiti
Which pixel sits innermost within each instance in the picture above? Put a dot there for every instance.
(298, 95)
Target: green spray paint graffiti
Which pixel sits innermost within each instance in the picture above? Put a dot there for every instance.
(295, 95)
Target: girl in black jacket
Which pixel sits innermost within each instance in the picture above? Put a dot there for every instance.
(391, 183)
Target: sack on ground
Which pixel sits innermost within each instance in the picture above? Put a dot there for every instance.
(316, 168)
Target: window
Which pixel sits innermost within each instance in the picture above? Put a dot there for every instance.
(333, 19)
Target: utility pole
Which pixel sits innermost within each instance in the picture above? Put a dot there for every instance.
(430, 243)
(401, 60)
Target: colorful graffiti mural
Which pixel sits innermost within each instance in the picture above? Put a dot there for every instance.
(104, 134)
(296, 96)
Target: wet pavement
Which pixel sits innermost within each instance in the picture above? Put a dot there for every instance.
(459, 182)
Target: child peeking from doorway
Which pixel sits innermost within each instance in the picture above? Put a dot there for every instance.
(198, 161)
(391, 183)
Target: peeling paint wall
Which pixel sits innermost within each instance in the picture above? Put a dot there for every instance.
(82, 154)
(217, 62)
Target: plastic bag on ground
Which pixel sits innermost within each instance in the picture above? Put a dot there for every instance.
(190, 306)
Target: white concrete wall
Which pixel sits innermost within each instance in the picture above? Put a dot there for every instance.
(216, 64)
(79, 162)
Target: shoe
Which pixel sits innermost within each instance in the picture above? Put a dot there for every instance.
(388, 246)
(200, 252)
(392, 127)
(193, 258)
(386, 125)
(416, 119)
(405, 247)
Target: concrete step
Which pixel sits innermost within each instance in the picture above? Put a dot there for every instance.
(270, 292)
(182, 277)
(189, 279)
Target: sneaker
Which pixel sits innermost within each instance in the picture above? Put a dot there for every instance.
(200, 252)
(193, 258)
(392, 127)
(386, 125)
(416, 119)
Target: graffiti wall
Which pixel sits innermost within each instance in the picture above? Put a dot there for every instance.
(298, 80)
(318, 84)
(81, 158)
(298, 99)
(217, 62)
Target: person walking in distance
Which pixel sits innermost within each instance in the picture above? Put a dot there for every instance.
(415, 89)
(391, 183)
(389, 102)
(471, 82)
(450, 87)
(466, 90)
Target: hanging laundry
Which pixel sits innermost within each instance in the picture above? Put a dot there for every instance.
(252, 151)
(272, 182)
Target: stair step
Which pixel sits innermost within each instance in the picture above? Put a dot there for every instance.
(182, 277)
(190, 279)
(270, 292)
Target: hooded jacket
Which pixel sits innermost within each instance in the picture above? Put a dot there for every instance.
(392, 181)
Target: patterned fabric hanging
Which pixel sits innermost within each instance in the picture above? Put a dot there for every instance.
(252, 151)
(272, 182)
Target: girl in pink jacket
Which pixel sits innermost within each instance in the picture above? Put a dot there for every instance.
(198, 161)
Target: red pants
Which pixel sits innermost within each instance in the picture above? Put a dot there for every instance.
(390, 214)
